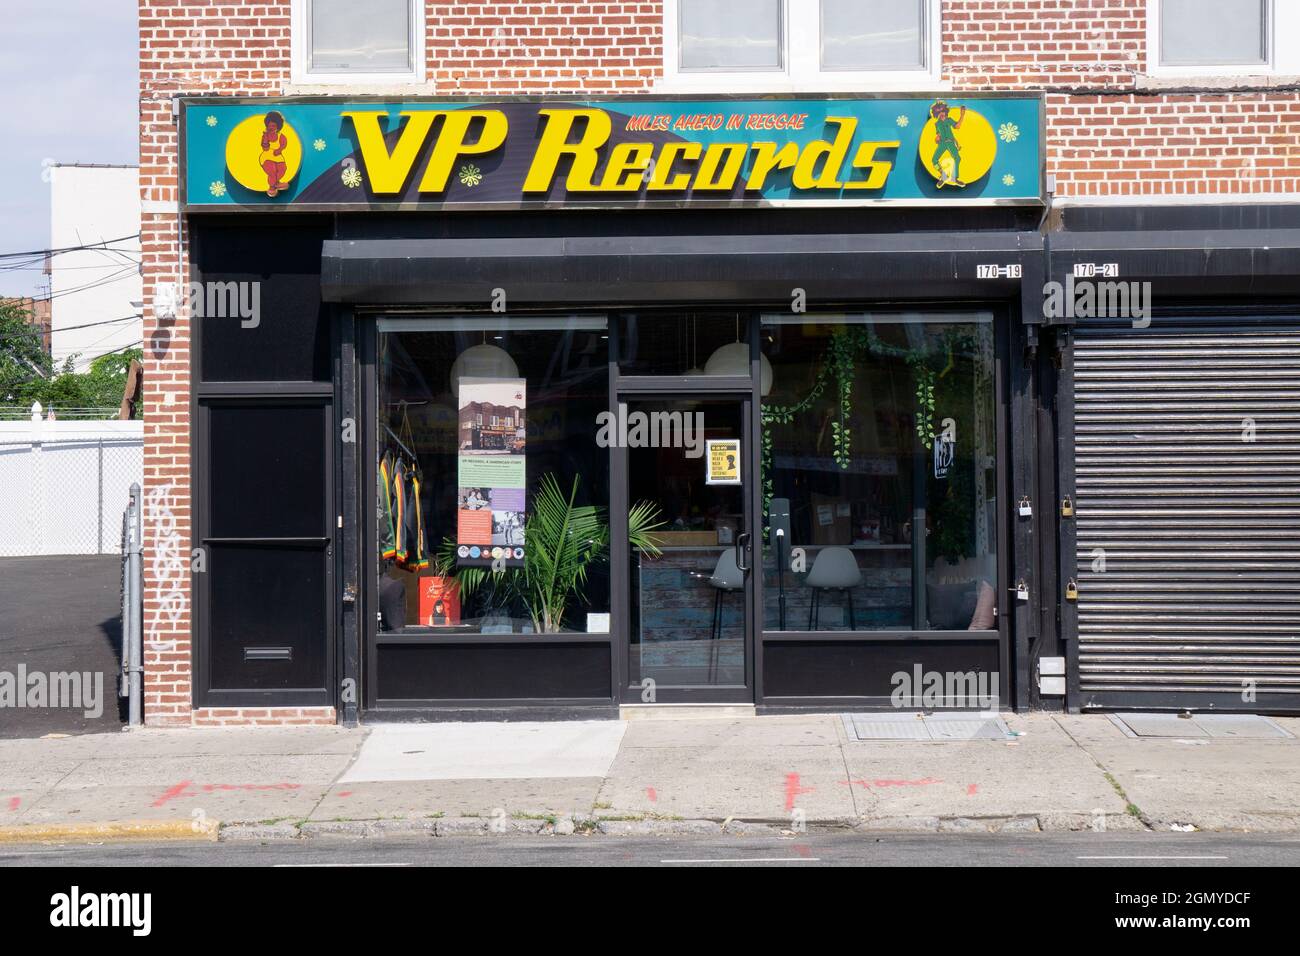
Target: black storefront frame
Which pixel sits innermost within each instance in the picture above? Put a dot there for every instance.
(744, 389)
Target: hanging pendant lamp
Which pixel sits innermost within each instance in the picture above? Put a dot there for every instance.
(733, 359)
(482, 361)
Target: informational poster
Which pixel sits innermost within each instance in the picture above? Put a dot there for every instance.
(723, 461)
(491, 472)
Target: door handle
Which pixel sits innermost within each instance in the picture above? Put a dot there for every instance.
(742, 545)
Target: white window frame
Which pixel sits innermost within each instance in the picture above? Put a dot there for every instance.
(1282, 24)
(301, 75)
(801, 71)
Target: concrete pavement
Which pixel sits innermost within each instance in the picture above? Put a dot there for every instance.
(758, 774)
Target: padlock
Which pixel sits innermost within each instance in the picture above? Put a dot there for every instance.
(1067, 507)
(1022, 590)
(1071, 590)
(1026, 509)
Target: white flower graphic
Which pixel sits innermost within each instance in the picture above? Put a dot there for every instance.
(217, 189)
(352, 177)
(470, 175)
(1008, 180)
(1008, 132)
(318, 145)
(902, 121)
(211, 121)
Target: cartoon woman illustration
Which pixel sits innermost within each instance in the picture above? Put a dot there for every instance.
(272, 159)
(945, 138)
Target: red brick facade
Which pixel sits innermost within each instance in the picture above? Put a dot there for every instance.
(1111, 132)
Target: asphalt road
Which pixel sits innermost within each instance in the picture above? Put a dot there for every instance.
(819, 848)
(61, 614)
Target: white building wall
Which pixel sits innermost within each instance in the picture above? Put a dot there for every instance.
(89, 205)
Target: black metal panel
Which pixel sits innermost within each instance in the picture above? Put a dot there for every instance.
(1182, 263)
(267, 597)
(267, 470)
(527, 670)
(862, 671)
(289, 339)
(674, 268)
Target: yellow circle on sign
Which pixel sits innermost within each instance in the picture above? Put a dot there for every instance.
(245, 156)
(977, 147)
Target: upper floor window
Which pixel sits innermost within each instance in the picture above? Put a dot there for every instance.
(1214, 32)
(771, 44)
(1223, 37)
(358, 41)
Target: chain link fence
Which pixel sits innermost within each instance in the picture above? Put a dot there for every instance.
(65, 485)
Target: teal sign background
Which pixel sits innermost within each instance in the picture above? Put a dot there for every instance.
(333, 173)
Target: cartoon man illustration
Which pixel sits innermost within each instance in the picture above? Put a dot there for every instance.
(272, 158)
(945, 138)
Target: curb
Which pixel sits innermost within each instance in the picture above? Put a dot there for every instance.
(120, 831)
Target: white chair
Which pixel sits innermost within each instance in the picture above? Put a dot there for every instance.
(834, 569)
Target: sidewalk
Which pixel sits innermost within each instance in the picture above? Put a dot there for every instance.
(1055, 772)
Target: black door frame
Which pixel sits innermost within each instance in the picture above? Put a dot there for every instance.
(736, 389)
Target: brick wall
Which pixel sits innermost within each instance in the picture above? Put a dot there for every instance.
(1107, 135)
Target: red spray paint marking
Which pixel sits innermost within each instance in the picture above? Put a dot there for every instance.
(802, 849)
(793, 790)
(652, 794)
(13, 803)
(972, 789)
(182, 789)
(868, 784)
(343, 793)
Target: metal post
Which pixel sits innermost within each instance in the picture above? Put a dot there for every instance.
(135, 577)
(99, 523)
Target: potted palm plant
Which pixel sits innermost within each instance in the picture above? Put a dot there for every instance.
(563, 541)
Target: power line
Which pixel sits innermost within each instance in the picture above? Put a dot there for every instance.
(91, 325)
(102, 244)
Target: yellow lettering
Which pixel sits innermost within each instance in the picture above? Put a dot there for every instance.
(662, 178)
(555, 143)
(451, 144)
(626, 159)
(388, 172)
(805, 175)
(767, 158)
(878, 168)
(730, 156)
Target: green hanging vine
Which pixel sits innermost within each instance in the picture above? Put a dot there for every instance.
(847, 346)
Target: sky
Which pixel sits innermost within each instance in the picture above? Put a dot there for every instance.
(68, 93)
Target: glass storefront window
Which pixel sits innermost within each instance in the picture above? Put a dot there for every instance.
(487, 461)
(684, 343)
(880, 467)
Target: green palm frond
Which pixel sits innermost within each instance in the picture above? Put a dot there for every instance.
(563, 540)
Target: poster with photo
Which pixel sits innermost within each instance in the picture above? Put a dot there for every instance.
(491, 470)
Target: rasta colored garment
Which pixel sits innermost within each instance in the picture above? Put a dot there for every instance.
(401, 526)
(387, 521)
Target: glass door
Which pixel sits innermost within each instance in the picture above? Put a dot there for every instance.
(690, 546)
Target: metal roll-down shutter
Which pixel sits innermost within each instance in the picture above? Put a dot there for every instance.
(1187, 455)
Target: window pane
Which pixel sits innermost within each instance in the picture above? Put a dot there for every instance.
(730, 34)
(873, 34)
(879, 463)
(684, 343)
(1212, 32)
(346, 38)
(480, 420)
